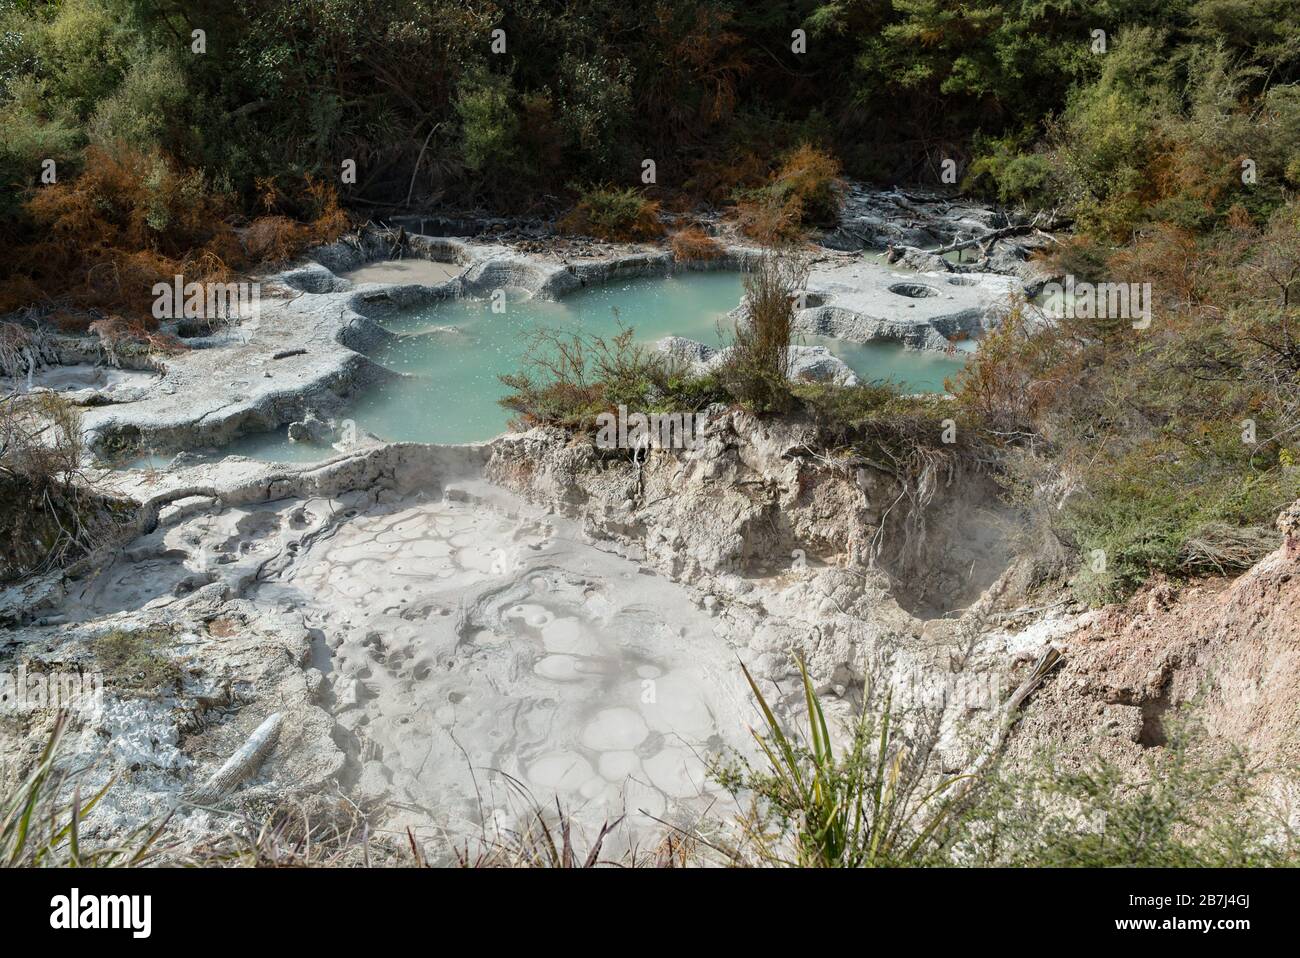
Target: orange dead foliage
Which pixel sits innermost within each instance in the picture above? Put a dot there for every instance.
(769, 223)
(103, 239)
(17, 292)
(1169, 259)
(274, 238)
(717, 181)
(692, 243)
(802, 192)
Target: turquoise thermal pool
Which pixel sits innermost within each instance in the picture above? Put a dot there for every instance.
(455, 350)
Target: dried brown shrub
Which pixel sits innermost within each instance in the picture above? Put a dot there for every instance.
(802, 193)
(293, 223)
(128, 221)
(693, 244)
(132, 219)
(1168, 258)
(17, 292)
(717, 180)
(23, 348)
(771, 224)
(274, 238)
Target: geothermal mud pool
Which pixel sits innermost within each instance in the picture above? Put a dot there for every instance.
(478, 657)
(403, 271)
(472, 646)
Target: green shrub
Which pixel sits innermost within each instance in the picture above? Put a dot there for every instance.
(32, 130)
(1140, 520)
(147, 109)
(1293, 172)
(595, 105)
(85, 50)
(615, 215)
(569, 379)
(489, 126)
(1011, 171)
(1190, 805)
(896, 432)
(878, 804)
(1168, 449)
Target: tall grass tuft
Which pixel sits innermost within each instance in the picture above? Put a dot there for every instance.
(757, 368)
(321, 832)
(876, 805)
(539, 844)
(40, 828)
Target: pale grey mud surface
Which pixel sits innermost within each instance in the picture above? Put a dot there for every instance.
(439, 651)
(475, 643)
(398, 272)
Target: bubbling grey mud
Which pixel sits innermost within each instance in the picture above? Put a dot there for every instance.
(478, 647)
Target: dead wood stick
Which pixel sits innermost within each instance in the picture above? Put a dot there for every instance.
(243, 763)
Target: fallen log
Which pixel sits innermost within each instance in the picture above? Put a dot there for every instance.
(983, 238)
(243, 763)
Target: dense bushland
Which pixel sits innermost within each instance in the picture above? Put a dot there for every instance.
(732, 105)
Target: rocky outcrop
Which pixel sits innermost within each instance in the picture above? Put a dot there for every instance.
(807, 363)
(923, 261)
(311, 429)
(801, 551)
(909, 222)
(865, 302)
(876, 219)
